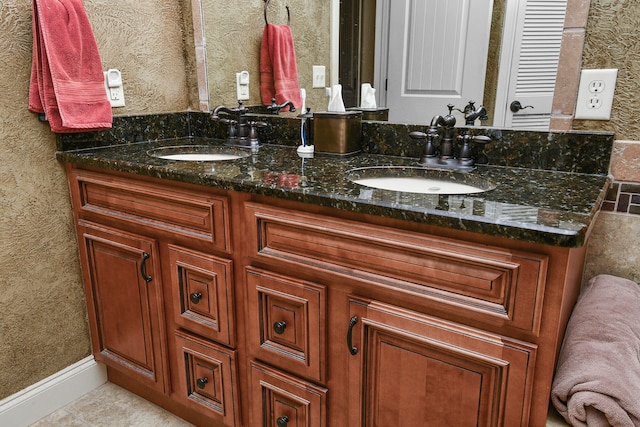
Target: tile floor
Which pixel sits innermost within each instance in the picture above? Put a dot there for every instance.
(113, 406)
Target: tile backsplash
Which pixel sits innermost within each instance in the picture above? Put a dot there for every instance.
(623, 197)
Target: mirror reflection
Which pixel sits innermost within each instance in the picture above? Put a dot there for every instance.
(418, 55)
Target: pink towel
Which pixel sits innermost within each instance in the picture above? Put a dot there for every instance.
(278, 70)
(597, 381)
(67, 82)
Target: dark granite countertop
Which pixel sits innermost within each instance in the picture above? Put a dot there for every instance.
(534, 205)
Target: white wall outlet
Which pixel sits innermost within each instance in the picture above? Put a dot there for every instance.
(113, 86)
(319, 76)
(595, 94)
(242, 85)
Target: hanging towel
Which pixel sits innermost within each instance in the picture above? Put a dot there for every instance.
(597, 381)
(67, 81)
(278, 70)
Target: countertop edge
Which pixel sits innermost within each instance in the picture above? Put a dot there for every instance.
(532, 233)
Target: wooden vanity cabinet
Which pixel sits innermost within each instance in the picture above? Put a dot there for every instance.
(231, 309)
(423, 326)
(158, 272)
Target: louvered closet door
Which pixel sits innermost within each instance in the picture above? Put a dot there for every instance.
(535, 26)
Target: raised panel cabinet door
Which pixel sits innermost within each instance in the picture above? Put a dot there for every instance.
(406, 368)
(124, 300)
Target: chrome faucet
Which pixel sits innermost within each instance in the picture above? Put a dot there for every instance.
(275, 108)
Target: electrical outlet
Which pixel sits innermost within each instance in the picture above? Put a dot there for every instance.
(595, 94)
(318, 76)
(596, 86)
(594, 102)
(113, 87)
(242, 85)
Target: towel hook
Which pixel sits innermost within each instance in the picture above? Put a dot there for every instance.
(266, 21)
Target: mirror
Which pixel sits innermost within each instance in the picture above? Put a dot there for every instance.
(231, 37)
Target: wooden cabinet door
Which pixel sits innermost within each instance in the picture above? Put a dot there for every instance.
(124, 300)
(406, 368)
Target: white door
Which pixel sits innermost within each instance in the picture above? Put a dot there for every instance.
(436, 55)
(532, 37)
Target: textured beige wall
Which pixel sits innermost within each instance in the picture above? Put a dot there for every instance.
(613, 41)
(233, 31)
(43, 324)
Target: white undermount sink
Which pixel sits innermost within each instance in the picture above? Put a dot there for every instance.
(419, 180)
(198, 153)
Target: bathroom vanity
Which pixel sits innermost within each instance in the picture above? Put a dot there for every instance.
(272, 290)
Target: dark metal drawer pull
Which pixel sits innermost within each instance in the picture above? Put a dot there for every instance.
(353, 350)
(143, 267)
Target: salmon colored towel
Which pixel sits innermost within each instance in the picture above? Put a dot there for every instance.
(67, 82)
(597, 381)
(278, 70)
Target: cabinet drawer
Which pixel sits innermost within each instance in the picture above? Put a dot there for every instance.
(287, 323)
(279, 400)
(495, 285)
(208, 381)
(201, 286)
(182, 214)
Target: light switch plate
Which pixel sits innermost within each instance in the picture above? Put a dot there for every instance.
(595, 94)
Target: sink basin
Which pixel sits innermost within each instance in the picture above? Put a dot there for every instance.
(198, 153)
(408, 179)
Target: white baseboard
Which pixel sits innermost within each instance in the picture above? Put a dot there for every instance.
(39, 400)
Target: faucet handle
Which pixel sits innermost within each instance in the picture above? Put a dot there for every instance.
(429, 154)
(464, 158)
(481, 139)
(416, 135)
(253, 132)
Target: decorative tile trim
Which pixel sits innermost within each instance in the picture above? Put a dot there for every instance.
(623, 197)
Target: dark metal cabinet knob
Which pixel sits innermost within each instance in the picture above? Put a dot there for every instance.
(195, 297)
(282, 421)
(279, 327)
(202, 382)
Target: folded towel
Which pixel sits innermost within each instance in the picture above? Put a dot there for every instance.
(597, 381)
(278, 69)
(67, 81)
